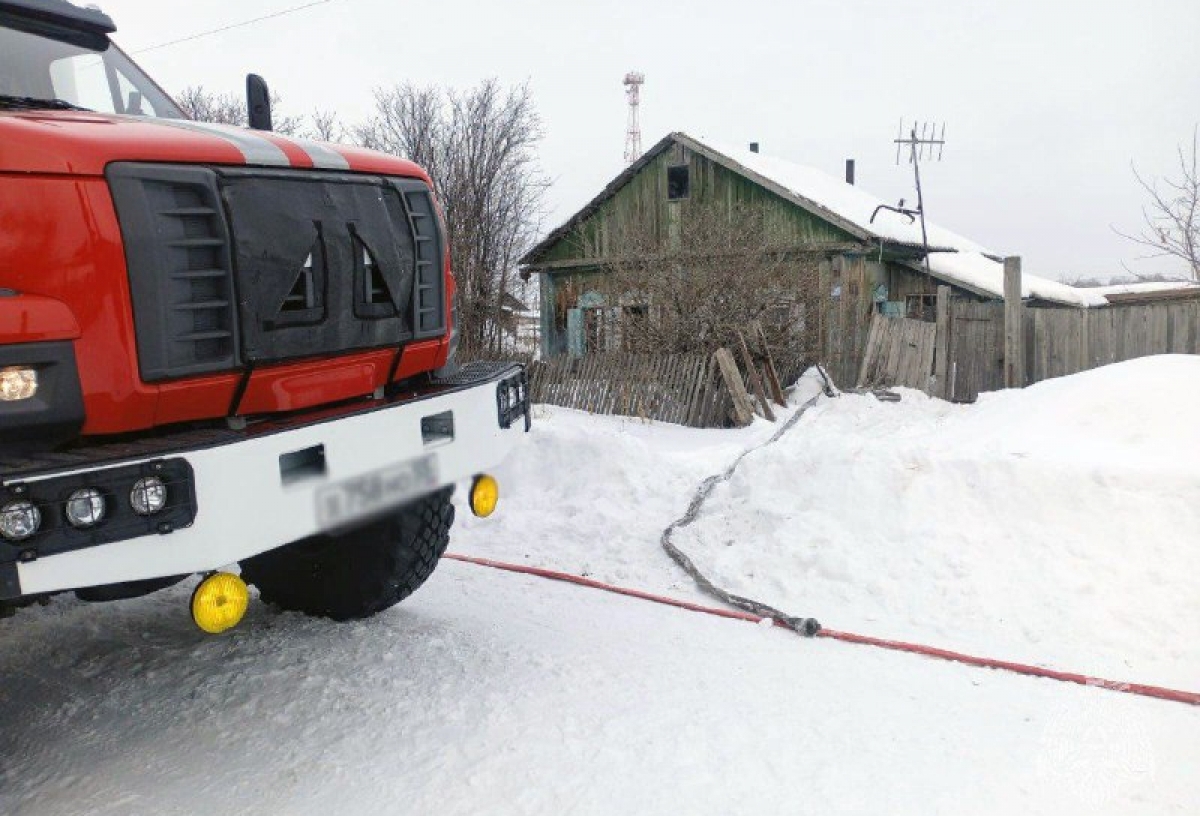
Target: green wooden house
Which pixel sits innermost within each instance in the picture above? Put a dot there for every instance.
(870, 259)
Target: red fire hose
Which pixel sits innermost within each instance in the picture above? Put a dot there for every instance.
(1174, 695)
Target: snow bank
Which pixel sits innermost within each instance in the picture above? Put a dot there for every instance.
(1058, 524)
(591, 494)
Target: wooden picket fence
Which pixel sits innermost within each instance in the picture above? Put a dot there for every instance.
(684, 389)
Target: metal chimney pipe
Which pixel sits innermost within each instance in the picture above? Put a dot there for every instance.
(754, 147)
(849, 171)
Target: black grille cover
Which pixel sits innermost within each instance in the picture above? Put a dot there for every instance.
(278, 264)
(180, 275)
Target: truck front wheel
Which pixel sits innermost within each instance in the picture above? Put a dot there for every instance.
(359, 572)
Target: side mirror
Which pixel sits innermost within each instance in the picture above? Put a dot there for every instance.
(258, 102)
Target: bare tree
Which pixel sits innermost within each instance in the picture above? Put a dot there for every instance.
(479, 147)
(230, 109)
(1172, 214)
(410, 121)
(206, 106)
(325, 126)
(692, 285)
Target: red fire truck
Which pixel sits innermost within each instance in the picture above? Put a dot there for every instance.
(219, 346)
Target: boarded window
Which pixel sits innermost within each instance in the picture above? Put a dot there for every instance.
(677, 182)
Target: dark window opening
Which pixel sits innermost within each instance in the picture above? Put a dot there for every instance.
(304, 303)
(677, 182)
(374, 288)
(921, 307)
(303, 294)
(374, 297)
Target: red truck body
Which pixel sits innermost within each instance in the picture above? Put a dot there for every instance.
(63, 245)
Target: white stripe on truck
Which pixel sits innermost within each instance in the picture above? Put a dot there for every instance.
(322, 155)
(256, 149)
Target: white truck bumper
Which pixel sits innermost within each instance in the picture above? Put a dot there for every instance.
(266, 489)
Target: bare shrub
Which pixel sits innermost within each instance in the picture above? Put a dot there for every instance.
(692, 286)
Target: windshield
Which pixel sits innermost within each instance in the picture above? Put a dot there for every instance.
(36, 69)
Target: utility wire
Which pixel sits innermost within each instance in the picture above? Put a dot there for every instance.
(231, 26)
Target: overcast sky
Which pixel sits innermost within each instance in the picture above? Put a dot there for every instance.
(1045, 102)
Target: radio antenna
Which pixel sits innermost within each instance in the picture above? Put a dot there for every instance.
(924, 142)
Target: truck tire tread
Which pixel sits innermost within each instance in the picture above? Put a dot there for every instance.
(360, 572)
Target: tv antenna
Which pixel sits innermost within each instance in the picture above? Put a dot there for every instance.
(924, 142)
(633, 131)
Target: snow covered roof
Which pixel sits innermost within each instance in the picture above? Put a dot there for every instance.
(967, 264)
(953, 259)
(985, 275)
(1144, 288)
(848, 202)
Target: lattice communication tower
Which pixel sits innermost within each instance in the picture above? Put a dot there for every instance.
(633, 130)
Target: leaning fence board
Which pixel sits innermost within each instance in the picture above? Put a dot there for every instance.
(899, 352)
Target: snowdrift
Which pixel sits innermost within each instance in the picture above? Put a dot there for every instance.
(1059, 524)
(591, 494)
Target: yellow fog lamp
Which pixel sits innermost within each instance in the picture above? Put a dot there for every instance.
(220, 602)
(18, 383)
(485, 492)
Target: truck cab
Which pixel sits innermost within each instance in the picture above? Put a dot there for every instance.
(218, 345)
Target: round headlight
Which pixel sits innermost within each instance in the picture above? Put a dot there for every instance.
(149, 495)
(85, 507)
(19, 520)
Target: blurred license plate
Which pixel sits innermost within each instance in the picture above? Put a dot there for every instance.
(353, 499)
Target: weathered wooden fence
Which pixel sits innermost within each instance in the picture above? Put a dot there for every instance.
(684, 389)
(1057, 342)
(975, 350)
(1066, 341)
(700, 390)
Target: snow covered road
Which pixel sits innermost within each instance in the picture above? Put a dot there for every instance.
(501, 694)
